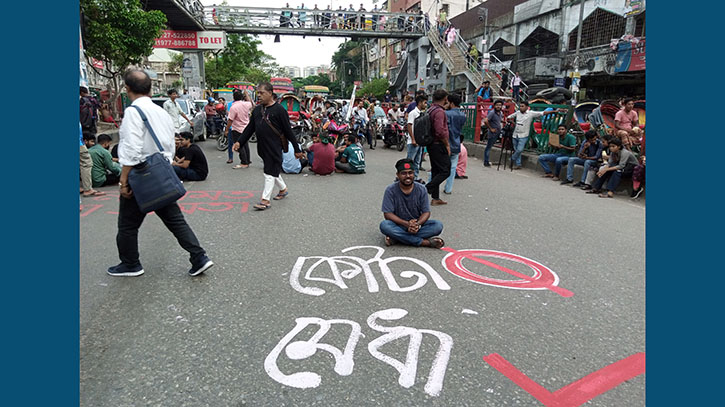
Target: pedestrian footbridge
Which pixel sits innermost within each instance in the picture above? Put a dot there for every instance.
(314, 22)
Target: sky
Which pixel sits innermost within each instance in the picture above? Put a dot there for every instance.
(293, 50)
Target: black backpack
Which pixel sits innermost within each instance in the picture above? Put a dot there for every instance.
(423, 129)
(87, 114)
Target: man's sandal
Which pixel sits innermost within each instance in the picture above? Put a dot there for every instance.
(261, 206)
(388, 241)
(436, 242)
(281, 195)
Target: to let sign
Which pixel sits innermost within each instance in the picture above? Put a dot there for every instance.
(191, 40)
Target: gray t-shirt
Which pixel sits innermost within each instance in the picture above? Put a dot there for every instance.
(494, 121)
(404, 206)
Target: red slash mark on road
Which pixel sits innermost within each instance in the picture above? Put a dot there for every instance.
(578, 392)
(543, 278)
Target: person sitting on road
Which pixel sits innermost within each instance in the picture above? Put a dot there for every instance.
(406, 210)
(566, 148)
(290, 163)
(592, 174)
(352, 158)
(193, 165)
(621, 164)
(321, 155)
(105, 171)
(589, 154)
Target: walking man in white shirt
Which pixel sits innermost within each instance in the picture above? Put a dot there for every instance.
(174, 110)
(134, 146)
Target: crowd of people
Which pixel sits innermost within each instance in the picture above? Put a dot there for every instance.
(434, 125)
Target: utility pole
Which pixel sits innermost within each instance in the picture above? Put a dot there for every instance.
(575, 75)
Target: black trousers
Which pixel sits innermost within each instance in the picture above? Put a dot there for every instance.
(130, 219)
(244, 156)
(440, 164)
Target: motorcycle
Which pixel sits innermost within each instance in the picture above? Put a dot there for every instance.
(359, 128)
(394, 134)
(337, 130)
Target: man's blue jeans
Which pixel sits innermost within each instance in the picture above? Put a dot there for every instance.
(557, 159)
(578, 161)
(400, 234)
(448, 188)
(489, 143)
(187, 174)
(518, 144)
(415, 153)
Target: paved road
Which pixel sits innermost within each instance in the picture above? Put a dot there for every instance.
(230, 337)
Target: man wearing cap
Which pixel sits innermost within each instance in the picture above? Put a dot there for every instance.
(407, 212)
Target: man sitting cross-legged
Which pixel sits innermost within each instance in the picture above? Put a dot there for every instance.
(589, 155)
(352, 158)
(105, 171)
(192, 166)
(407, 211)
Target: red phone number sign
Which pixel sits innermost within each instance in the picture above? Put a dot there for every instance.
(191, 40)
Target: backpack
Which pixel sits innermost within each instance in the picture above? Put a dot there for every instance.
(423, 129)
(87, 114)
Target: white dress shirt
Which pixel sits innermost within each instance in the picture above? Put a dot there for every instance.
(135, 142)
(174, 111)
(523, 122)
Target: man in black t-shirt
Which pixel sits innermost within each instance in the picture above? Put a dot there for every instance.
(192, 166)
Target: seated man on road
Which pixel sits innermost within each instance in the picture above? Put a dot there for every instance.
(592, 174)
(406, 210)
(192, 166)
(352, 158)
(566, 149)
(105, 171)
(321, 156)
(621, 164)
(290, 163)
(589, 154)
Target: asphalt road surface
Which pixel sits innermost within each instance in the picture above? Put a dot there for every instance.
(296, 313)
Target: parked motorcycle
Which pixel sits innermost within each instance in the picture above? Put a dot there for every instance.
(394, 134)
(337, 130)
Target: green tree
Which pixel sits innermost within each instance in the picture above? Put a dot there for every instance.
(347, 61)
(119, 33)
(376, 87)
(240, 60)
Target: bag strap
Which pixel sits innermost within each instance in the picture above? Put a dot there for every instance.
(269, 123)
(148, 126)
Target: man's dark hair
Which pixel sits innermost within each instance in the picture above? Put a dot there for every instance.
(238, 95)
(89, 135)
(439, 94)
(187, 135)
(170, 91)
(487, 82)
(103, 138)
(616, 141)
(419, 92)
(420, 99)
(523, 102)
(562, 125)
(607, 138)
(627, 100)
(84, 90)
(137, 81)
(590, 134)
(497, 102)
(266, 86)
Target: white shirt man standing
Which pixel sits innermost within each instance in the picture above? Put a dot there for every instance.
(174, 110)
(134, 146)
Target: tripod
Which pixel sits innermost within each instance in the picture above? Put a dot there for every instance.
(507, 147)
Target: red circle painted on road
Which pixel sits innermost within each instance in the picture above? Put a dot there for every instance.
(543, 278)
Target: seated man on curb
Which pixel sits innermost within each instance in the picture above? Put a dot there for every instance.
(621, 164)
(105, 171)
(567, 147)
(407, 211)
(352, 158)
(589, 154)
(193, 166)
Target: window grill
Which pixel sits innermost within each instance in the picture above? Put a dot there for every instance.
(598, 29)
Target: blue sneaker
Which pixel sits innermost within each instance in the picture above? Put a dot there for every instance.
(200, 266)
(123, 270)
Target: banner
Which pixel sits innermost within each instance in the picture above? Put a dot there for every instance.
(191, 40)
(630, 56)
